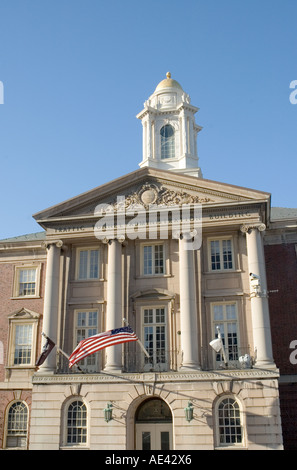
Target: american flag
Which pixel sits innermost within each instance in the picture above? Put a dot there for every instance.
(102, 340)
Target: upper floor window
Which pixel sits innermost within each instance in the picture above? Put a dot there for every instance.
(155, 338)
(17, 425)
(88, 263)
(26, 281)
(22, 339)
(86, 326)
(221, 254)
(153, 259)
(225, 317)
(167, 142)
(229, 422)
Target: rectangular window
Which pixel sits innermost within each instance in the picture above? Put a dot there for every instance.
(154, 336)
(88, 264)
(153, 259)
(221, 255)
(23, 344)
(225, 317)
(86, 326)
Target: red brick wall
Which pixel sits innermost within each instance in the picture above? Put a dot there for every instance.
(281, 267)
(288, 405)
(9, 305)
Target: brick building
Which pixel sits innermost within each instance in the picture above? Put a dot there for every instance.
(89, 268)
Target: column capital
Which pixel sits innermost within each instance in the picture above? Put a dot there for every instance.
(47, 243)
(108, 241)
(247, 228)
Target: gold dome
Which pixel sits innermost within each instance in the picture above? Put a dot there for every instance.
(168, 83)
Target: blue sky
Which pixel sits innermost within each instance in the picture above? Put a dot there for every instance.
(76, 72)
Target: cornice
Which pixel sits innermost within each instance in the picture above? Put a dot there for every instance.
(169, 377)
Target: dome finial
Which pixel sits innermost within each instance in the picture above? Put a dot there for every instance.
(168, 75)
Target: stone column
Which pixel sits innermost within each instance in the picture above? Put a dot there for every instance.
(188, 307)
(114, 310)
(51, 301)
(184, 132)
(258, 294)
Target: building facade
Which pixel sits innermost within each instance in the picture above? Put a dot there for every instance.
(184, 261)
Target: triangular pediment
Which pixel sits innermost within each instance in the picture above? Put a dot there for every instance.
(151, 186)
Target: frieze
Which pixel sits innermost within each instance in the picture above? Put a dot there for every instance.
(199, 376)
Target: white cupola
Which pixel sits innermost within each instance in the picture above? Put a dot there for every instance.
(169, 130)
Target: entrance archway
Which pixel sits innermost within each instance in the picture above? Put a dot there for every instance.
(153, 425)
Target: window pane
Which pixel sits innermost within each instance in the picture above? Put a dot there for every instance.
(147, 260)
(83, 264)
(27, 281)
(159, 261)
(23, 344)
(146, 440)
(215, 255)
(94, 264)
(165, 440)
(227, 254)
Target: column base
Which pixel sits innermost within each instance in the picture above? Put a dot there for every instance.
(190, 368)
(264, 365)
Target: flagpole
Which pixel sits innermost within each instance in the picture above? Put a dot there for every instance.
(66, 355)
(138, 341)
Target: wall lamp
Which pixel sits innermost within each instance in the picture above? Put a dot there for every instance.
(189, 412)
(108, 412)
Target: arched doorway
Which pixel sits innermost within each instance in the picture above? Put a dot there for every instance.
(153, 425)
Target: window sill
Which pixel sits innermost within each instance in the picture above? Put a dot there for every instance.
(24, 297)
(150, 276)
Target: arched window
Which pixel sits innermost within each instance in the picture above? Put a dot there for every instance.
(17, 425)
(76, 423)
(229, 422)
(167, 142)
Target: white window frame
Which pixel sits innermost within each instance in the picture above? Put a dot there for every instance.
(153, 273)
(64, 433)
(88, 249)
(223, 324)
(225, 445)
(16, 283)
(220, 240)
(90, 363)
(15, 321)
(24, 434)
(148, 365)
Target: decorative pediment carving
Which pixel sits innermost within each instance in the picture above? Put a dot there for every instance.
(150, 193)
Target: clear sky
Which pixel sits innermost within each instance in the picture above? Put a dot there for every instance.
(76, 72)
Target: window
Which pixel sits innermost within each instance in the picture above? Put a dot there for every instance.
(88, 263)
(154, 337)
(23, 344)
(225, 317)
(153, 259)
(17, 424)
(229, 422)
(221, 254)
(76, 423)
(26, 281)
(167, 142)
(22, 338)
(86, 326)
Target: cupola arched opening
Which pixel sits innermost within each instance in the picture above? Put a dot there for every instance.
(167, 142)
